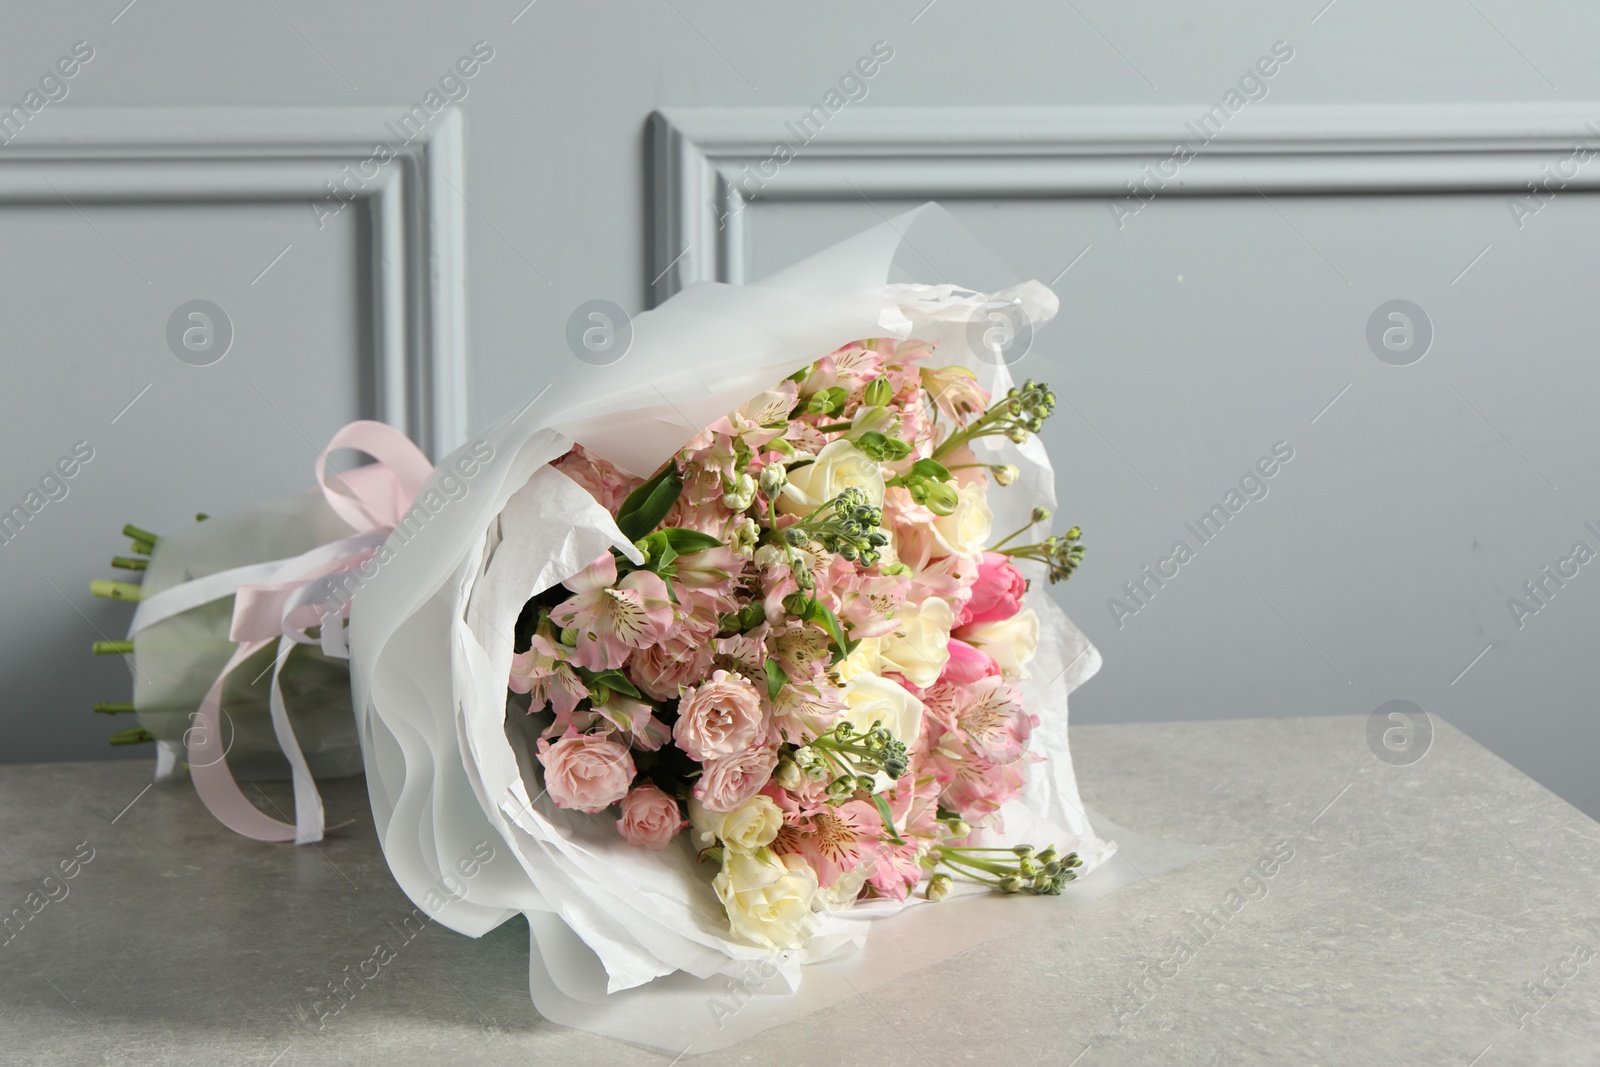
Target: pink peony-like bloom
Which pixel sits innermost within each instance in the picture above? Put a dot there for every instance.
(722, 717)
(968, 664)
(725, 784)
(680, 659)
(650, 818)
(612, 621)
(588, 772)
(997, 594)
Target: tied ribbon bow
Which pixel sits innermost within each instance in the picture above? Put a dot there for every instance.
(280, 601)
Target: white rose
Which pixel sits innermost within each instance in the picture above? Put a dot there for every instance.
(1009, 642)
(920, 646)
(839, 466)
(748, 827)
(965, 530)
(842, 894)
(871, 699)
(768, 898)
(865, 658)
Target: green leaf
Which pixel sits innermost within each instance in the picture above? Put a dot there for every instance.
(685, 542)
(647, 505)
(829, 622)
(615, 681)
(888, 822)
(777, 678)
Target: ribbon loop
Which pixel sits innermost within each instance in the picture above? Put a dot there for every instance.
(381, 492)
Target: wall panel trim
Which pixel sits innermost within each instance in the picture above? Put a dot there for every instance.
(416, 315)
(707, 164)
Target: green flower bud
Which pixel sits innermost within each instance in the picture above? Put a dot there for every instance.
(942, 498)
(878, 393)
(939, 887)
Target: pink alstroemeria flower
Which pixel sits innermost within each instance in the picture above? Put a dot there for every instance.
(834, 840)
(549, 679)
(612, 618)
(712, 569)
(636, 720)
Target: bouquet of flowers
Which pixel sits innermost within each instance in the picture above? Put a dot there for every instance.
(812, 666)
(732, 650)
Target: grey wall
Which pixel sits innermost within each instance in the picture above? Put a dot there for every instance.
(1190, 342)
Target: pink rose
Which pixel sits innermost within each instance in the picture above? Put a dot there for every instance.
(662, 669)
(721, 718)
(650, 818)
(967, 664)
(586, 771)
(725, 784)
(997, 594)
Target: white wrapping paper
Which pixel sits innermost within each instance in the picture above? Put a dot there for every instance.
(628, 942)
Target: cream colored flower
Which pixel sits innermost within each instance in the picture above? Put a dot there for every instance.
(842, 894)
(920, 646)
(752, 825)
(865, 658)
(1009, 642)
(870, 698)
(839, 466)
(768, 898)
(965, 530)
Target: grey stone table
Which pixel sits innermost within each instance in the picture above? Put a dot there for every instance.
(1440, 912)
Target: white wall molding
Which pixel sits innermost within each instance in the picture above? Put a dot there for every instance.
(707, 164)
(416, 314)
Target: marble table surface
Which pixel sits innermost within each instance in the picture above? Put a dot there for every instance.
(1438, 910)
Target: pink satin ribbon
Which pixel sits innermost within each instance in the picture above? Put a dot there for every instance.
(283, 610)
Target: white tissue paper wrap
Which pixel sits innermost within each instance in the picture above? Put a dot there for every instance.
(628, 942)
